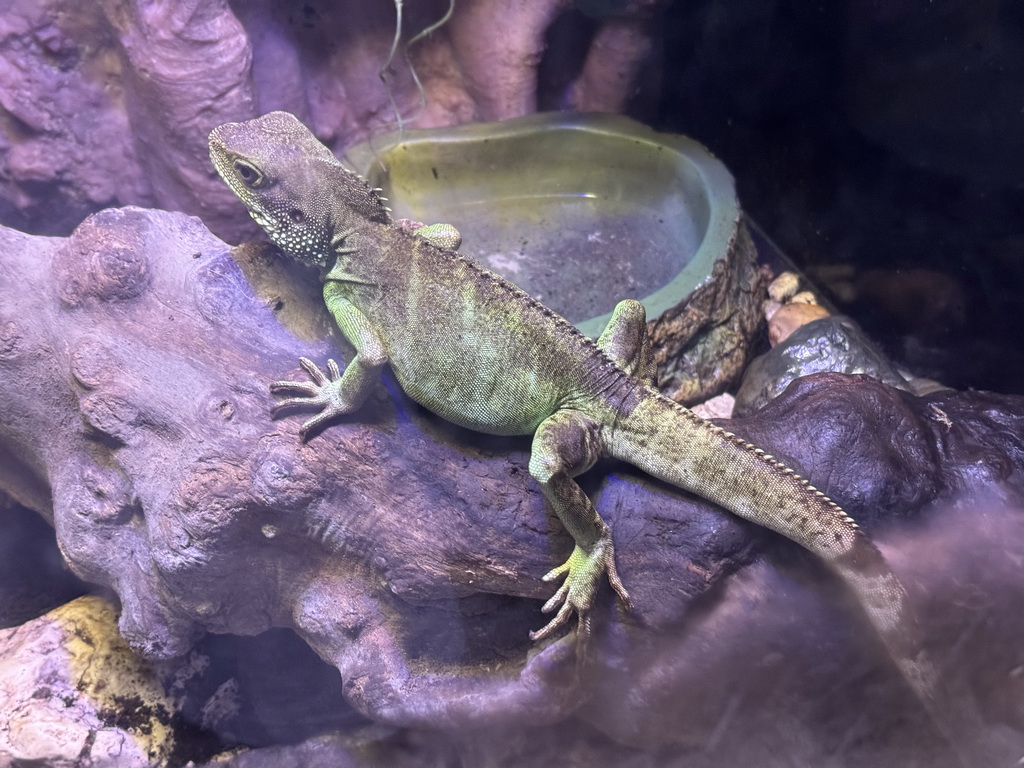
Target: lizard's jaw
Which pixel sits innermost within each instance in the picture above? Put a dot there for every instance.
(262, 220)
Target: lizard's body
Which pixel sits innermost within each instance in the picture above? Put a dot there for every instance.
(480, 352)
(463, 373)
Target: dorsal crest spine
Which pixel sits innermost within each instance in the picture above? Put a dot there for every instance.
(363, 198)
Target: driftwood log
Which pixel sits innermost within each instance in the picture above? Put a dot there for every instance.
(134, 360)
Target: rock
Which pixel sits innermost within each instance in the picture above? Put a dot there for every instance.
(827, 344)
(790, 317)
(73, 693)
(109, 103)
(804, 297)
(787, 308)
(66, 145)
(783, 287)
(408, 553)
(720, 407)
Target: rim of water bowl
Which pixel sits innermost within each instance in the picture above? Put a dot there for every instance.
(714, 180)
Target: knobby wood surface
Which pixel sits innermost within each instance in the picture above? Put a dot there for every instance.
(135, 358)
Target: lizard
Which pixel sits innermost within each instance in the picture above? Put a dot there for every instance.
(475, 349)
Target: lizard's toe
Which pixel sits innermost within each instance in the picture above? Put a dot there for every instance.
(560, 620)
(313, 425)
(303, 387)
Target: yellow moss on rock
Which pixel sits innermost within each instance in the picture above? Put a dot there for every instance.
(71, 687)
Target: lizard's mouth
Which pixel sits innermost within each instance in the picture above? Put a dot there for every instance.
(223, 159)
(261, 219)
(218, 150)
(222, 165)
(221, 136)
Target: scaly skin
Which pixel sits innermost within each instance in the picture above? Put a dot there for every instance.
(475, 349)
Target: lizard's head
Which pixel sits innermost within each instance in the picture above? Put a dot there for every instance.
(292, 184)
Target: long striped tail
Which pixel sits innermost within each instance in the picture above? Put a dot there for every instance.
(672, 443)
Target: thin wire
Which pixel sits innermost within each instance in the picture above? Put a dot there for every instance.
(382, 74)
(401, 121)
(408, 59)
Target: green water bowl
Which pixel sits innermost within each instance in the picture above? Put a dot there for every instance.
(581, 211)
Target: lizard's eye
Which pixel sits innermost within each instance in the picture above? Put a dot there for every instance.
(249, 175)
(296, 216)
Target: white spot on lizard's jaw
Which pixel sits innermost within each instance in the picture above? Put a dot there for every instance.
(259, 218)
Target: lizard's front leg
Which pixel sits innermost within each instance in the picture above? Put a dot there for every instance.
(441, 235)
(337, 393)
(566, 444)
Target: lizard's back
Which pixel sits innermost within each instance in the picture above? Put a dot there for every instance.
(476, 349)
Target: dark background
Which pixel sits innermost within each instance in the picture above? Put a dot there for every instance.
(881, 145)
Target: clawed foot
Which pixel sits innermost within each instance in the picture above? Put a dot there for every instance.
(323, 391)
(582, 573)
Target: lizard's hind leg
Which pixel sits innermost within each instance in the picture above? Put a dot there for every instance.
(566, 444)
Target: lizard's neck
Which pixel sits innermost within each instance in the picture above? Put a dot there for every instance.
(367, 254)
